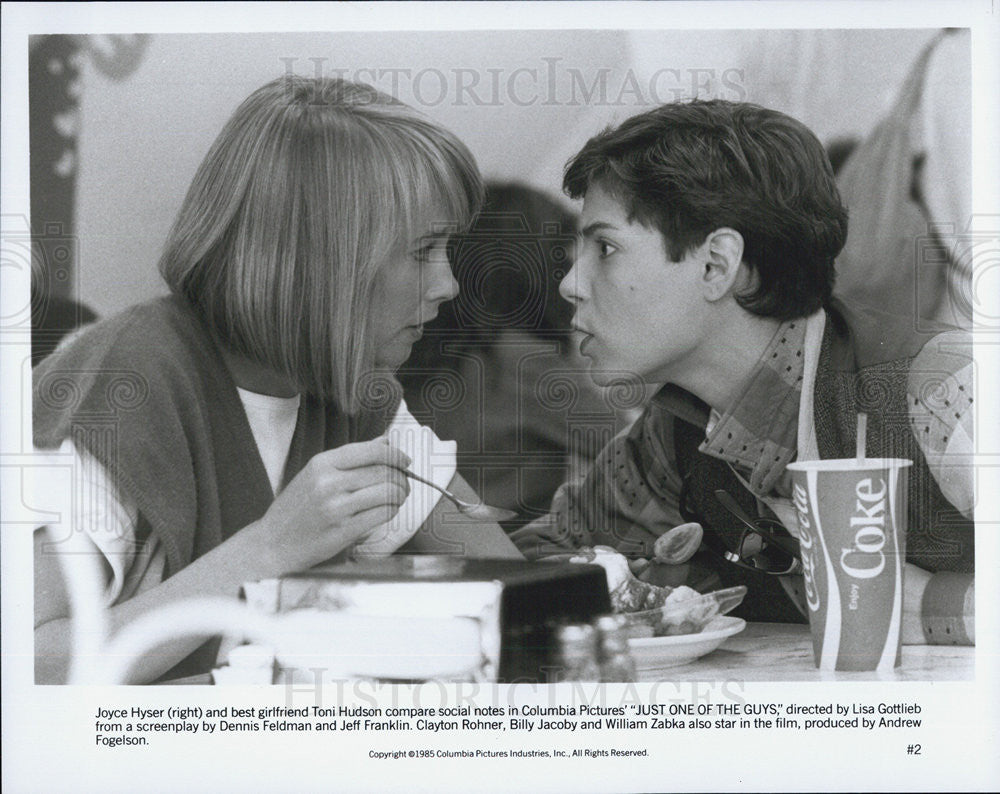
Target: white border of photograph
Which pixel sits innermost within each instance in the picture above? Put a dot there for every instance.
(49, 736)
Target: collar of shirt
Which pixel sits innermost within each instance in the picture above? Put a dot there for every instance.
(758, 434)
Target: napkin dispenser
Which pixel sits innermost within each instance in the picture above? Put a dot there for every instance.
(412, 618)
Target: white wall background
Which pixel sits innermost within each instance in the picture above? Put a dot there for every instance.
(142, 138)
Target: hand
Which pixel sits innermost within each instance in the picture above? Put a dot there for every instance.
(337, 498)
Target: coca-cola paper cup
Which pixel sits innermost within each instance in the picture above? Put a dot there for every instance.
(852, 519)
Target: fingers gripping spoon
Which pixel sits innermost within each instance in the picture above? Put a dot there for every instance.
(477, 510)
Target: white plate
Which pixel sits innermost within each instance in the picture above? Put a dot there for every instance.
(658, 653)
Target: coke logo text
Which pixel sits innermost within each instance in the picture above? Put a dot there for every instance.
(865, 558)
(807, 545)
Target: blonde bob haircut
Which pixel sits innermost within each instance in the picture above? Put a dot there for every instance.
(312, 186)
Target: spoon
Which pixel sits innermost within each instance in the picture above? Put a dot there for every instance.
(477, 510)
(674, 547)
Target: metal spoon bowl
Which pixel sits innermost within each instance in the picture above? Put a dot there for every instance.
(477, 510)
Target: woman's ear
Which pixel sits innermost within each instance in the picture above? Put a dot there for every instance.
(723, 253)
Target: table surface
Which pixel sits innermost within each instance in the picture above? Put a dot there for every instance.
(783, 652)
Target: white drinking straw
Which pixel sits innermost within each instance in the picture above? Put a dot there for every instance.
(862, 432)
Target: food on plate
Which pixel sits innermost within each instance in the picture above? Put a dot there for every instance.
(685, 612)
(653, 611)
(627, 593)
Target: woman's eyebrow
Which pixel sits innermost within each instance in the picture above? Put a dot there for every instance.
(430, 239)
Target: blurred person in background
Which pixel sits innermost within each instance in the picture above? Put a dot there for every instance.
(908, 189)
(497, 370)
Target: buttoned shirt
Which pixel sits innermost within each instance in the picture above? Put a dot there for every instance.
(631, 494)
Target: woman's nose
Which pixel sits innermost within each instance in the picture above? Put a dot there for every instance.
(441, 284)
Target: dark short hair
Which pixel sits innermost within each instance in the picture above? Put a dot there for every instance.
(689, 168)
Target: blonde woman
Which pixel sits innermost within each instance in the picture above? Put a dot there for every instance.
(249, 425)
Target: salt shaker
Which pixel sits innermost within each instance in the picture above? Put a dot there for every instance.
(614, 656)
(577, 653)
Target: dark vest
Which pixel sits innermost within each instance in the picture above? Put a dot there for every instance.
(939, 537)
(148, 394)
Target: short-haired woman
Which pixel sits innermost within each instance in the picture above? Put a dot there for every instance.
(249, 424)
